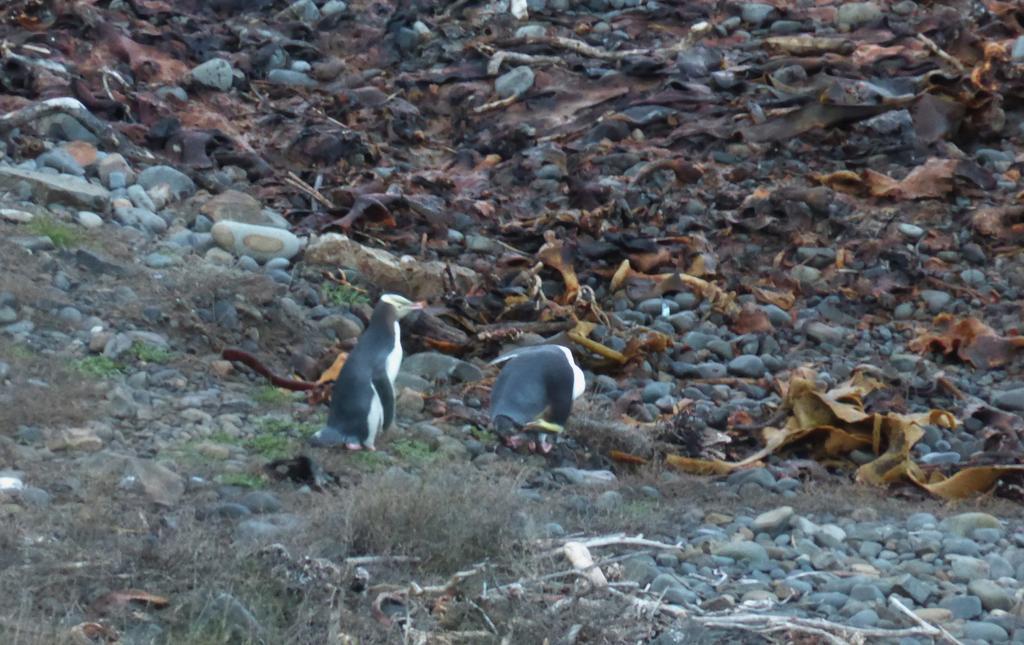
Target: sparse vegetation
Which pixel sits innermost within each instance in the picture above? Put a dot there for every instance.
(344, 294)
(62, 235)
(275, 437)
(445, 517)
(101, 366)
(245, 480)
(271, 396)
(151, 353)
(412, 450)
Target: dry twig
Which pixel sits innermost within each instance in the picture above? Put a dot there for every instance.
(941, 53)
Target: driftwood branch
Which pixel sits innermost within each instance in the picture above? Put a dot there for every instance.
(30, 114)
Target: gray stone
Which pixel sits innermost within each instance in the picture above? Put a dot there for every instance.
(965, 568)
(56, 189)
(745, 550)
(855, 14)
(332, 7)
(215, 73)
(581, 477)
(911, 231)
(178, 183)
(757, 14)
(964, 524)
(774, 519)
(830, 535)
(160, 260)
(88, 219)
(229, 510)
(656, 390)
(747, 365)
(903, 311)
(435, 366)
(985, 631)
(61, 160)
(531, 31)
(864, 618)
(1010, 399)
(640, 569)
(609, 500)
(259, 501)
(759, 476)
(973, 277)
(698, 340)
(823, 333)
(962, 607)
(936, 301)
(305, 10)
(919, 521)
(992, 594)
(140, 198)
(32, 496)
(262, 243)
(268, 528)
(514, 82)
(940, 458)
(805, 274)
(290, 78)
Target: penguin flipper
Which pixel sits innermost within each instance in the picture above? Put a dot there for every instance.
(386, 393)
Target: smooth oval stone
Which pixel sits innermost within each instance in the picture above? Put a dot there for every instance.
(261, 243)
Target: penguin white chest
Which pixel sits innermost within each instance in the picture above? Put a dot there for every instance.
(579, 383)
(375, 420)
(394, 357)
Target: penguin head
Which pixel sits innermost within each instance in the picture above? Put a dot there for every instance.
(401, 304)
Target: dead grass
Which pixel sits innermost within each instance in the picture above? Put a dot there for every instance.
(448, 517)
(68, 397)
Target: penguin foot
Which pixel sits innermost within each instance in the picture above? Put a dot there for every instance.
(353, 446)
(513, 441)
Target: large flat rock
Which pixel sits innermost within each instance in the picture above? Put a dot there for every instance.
(405, 275)
(57, 189)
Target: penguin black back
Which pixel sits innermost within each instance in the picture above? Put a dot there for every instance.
(537, 383)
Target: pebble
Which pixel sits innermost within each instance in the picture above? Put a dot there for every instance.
(215, 73)
(823, 333)
(985, 631)
(656, 390)
(514, 82)
(964, 524)
(61, 161)
(1012, 400)
(745, 550)
(89, 219)
(290, 78)
(935, 300)
(992, 594)
(261, 243)
(855, 14)
(757, 14)
(747, 365)
(911, 231)
(178, 183)
(773, 520)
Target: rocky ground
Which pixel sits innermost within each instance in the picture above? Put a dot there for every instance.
(783, 240)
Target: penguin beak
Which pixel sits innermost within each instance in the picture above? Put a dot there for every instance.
(422, 304)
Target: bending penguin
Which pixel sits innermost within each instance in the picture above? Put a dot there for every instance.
(363, 396)
(534, 393)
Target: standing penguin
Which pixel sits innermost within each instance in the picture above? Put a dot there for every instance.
(534, 392)
(363, 396)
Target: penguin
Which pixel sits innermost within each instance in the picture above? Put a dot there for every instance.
(363, 396)
(535, 392)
